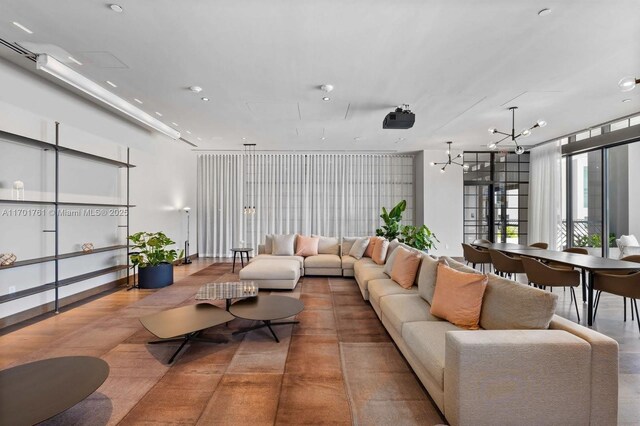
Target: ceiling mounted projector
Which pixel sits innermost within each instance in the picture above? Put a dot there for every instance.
(401, 118)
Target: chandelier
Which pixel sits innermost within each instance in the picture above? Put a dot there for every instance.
(450, 160)
(526, 132)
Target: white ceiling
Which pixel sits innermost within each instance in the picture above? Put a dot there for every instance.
(459, 64)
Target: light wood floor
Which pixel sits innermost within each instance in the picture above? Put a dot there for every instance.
(33, 339)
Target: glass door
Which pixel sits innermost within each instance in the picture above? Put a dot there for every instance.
(586, 202)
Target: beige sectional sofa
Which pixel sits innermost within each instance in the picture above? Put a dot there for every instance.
(526, 366)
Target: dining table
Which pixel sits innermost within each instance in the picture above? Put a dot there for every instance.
(588, 263)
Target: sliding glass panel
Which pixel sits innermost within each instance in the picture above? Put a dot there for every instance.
(624, 195)
(586, 205)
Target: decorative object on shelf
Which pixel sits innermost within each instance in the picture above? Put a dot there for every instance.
(391, 228)
(627, 84)
(526, 132)
(7, 259)
(62, 72)
(186, 259)
(87, 247)
(18, 190)
(154, 261)
(450, 160)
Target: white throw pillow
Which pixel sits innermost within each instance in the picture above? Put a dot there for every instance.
(359, 247)
(283, 245)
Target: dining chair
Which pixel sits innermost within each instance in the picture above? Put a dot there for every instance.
(543, 246)
(505, 265)
(544, 276)
(632, 302)
(475, 256)
(481, 241)
(576, 250)
(620, 285)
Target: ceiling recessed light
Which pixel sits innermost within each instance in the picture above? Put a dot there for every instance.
(323, 138)
(158, 114)
(22, 27)
(356, 139)
(626, 100)
(174, 123)
(199, 138)
(72, 59)
(111, 84)
(188, 132)
(195, 89)
(326, 87)
(138, 101)
(205, 99)
(244, 139)
(116, 8)
(544, 12)
(326, 98)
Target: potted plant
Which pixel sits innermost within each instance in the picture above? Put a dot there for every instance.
(154, 261)
(391, 228)
(421, 238)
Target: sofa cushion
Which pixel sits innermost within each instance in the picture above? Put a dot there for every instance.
(458, 297)
(427, 341)
(328, 245)
(394, 244)
(307, 246)
(348, 262)
(323, 261)
(363, 263)
(510, 305)
(400, 309)
(347, 243)
(283, 245)
(358, 248)
(427, 277)
(405, 267)
(380, 251)
(386, 287)
(366, 273)
(299, 259)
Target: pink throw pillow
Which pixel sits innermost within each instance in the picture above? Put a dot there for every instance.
(380, 251)
(405, 267)
(307, 246)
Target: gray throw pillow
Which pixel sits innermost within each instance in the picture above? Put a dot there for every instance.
(347, 243)
(392, 246)
(283, 245)
(328, 245)
(427, 277)
(359, 247)
(268, 244)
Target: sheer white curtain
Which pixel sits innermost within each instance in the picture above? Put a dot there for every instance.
(545, 194)
(326, 194)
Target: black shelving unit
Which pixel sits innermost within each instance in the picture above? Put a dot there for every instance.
(57, 203)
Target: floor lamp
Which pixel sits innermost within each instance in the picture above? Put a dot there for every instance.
(186, 260)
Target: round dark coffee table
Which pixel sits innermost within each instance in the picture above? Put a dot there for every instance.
(34, 392)
(244, 251)
(266, 309)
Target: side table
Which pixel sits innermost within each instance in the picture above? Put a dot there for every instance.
(244, 251)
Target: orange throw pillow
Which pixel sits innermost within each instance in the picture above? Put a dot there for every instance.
(458, 297)
(307, 246)
(372, 243)
(405, 267)
(380, 251)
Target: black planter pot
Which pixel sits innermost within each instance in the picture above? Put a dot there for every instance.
(155, 276)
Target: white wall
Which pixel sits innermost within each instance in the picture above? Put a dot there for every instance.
(163, 182)
(442, 197)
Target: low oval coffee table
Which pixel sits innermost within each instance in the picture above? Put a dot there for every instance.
(34, 392)
(266, 309)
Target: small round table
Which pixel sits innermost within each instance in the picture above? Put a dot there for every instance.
(241, 250)
(266, 309)
(34, 392)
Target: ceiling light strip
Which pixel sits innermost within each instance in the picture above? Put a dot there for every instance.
(51, 66)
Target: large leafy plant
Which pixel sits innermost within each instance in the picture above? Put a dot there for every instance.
(421, 238)
(150, 249)
(391, 228)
